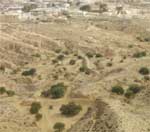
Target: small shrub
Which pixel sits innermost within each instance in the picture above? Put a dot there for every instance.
(10, 93)
(109, 64)
(72, 62)
(54, 61)
(135, 88)
(35, 107)
(50, 107)
(146, 78)
(89, 55)
(59, 127)
(143, 38)
(128, 93)
(58, 50)
(29, 72)
(98, 55)
(85, 8)
(118, 90)
(60, 57)
(38, 116)
(57, 91)
(36, 55)
(2, 90)
(130, 46)
(139, 54)
(144, 71)
(70, 109)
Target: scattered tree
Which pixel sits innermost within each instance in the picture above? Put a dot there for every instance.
(59, 127)
(58, 90)
(35, 107)
(144, 71)
(118, 90)
(70, 109)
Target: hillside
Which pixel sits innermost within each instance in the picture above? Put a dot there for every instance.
(107, 50)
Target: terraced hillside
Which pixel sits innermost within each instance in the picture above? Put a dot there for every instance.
(89, 57)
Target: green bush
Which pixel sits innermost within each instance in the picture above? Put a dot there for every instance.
(2, 90)
(35, 107)
(85, 8)
(29, 72)
(10, 93)
(135, 88)
(109, 64)
(98, 55)
(89, 55)
(70, 109)
(60, 57)
(38, 116)
(57, 91)
(59, 127)
(144, 71)
(72, 62)
(139, 54)
(118, 90)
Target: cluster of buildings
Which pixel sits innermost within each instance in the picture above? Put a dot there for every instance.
(45, 9)
(35, 9)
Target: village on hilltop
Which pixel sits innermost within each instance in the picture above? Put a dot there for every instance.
(47, 9)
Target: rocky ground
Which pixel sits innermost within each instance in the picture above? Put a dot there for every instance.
(104, 47)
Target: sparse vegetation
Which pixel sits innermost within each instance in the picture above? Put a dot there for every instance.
(109, 64)
(135, 88)
(29, 7)
(132, 90)
(2, 90)
(103, 7)
(143, 37)
(29, 72)
(139, 54)
(85, 8)
(38, 116)
(144, 71)
(98, 55)
(10, 93)
(118, 90)
(72, 62)
(70, 109)
(147, 78)
(60, 57)
(128, 93)
(59, 127)
(89, 55)
(35, 107)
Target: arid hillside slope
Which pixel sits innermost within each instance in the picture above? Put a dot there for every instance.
(89, 57)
